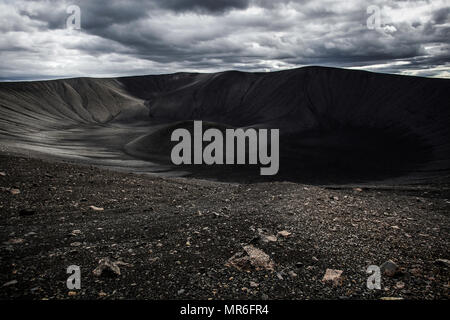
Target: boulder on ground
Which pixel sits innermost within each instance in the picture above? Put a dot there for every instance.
(251, 258)
(333, 275)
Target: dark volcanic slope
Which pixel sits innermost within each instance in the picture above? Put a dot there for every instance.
(333, 122)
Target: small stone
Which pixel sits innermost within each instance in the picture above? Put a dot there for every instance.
(2, 173)
(292, 274)
(181, 291)
(96, 208)
(400, 285)
(389, 268)
(264, 236)
(10, 283)
(254, 284)
(284, 233)
(15, 241)
(391, 298)
(72, 293)
(106, 264)
(271, 238)
(333, 275)
(14, 191)
(75, 244)
(75, 232)
(358, 189)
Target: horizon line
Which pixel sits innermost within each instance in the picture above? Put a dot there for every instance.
(50, 78)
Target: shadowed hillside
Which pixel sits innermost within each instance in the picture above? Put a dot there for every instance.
(333, 122)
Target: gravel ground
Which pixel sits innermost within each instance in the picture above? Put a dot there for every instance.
(174, 237)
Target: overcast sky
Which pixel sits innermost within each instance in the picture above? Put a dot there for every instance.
(164, 36)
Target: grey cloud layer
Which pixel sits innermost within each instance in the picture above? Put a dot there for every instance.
(130, 37)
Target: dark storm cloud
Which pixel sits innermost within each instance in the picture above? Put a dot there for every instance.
(441, 16)
(128, 37)
(96, 14)
(215, 6)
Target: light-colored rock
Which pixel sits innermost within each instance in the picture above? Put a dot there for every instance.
(400, 285)
(14, 191)
(333, 275)
(292, 274)
(102, 294)
(106, 264)
(10, 283)
(266, 237)
(15, 241)
(96, 208)
(284, 233)
(250, 258)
